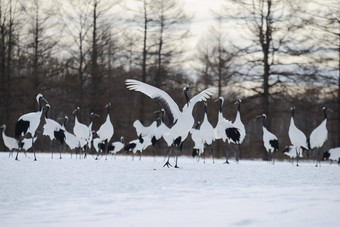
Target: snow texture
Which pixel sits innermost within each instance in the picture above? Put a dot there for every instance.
(122, 192)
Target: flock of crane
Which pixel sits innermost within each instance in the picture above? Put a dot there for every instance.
(181, 123)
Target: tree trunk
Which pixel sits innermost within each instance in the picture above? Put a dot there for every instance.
(142, 100)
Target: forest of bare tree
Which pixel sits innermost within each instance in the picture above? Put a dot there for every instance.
(79, 53)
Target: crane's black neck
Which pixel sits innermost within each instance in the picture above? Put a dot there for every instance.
(221, 105)
(65, 122)
(40, 105)
(186, 96)
(293, 112)
(205, 108)
(197, 126)
(46, 112)
(108, 110)
(238, 105)
(91, 118)
(324, 113)
(264, 121)
(162, 117)
(140, 138)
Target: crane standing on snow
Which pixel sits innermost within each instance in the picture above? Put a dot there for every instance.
(319, 136)
(297, 137)
(28, 123)
(270, 141)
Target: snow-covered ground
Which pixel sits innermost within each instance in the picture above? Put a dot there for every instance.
(122, 192)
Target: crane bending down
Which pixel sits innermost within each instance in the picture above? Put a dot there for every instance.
(181, 121)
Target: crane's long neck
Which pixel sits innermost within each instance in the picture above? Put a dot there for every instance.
(325, 114)
(264, 122)
(220, 114)
(108, 110)
(238, 106)
(46, 113)
(187, 97)
(40, 105)
(293, 112)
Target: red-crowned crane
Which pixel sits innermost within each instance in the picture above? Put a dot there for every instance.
(53, 130)
(10, 143)
(297, 137)
(181, 121)
(106, 130)
(319, 136)
(270, 141)
(226, 131)
(240, 126)
(28, 123)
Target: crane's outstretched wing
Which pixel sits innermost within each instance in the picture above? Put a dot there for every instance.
(168, 104)
(202, 96)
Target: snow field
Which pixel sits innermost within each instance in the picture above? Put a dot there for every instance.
(123, 192)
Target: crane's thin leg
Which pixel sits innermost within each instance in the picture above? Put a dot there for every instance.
(317, 156)
(106, 148)
(140, 155)
(226, 152)
(235, 153)
(33, 147)
(51, 148)
(177, 153)
(60, 149)
(16, 157)
(169, 154)
(238, 152)
(212, 151)
(297, 156)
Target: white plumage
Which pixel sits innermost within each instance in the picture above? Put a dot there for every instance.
(207, 132)
(53, 130)
(291, 152)
(70, 139)
(106, 130)
(80, 130)
(334, 154)
(297, 137)
(139, 144)
(27, 143)
(238, 122)
(198, 148)
(145, 130)
(117, 146)
(50, 126)
(10, 143)
(181, 121)
(319, 136)
(270, 141)
(226, 130)
(28, 123)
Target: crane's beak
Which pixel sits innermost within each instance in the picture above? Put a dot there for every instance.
(74, 111)
(96, 115)
(330, 110)
(44, 99)
(259, 116)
